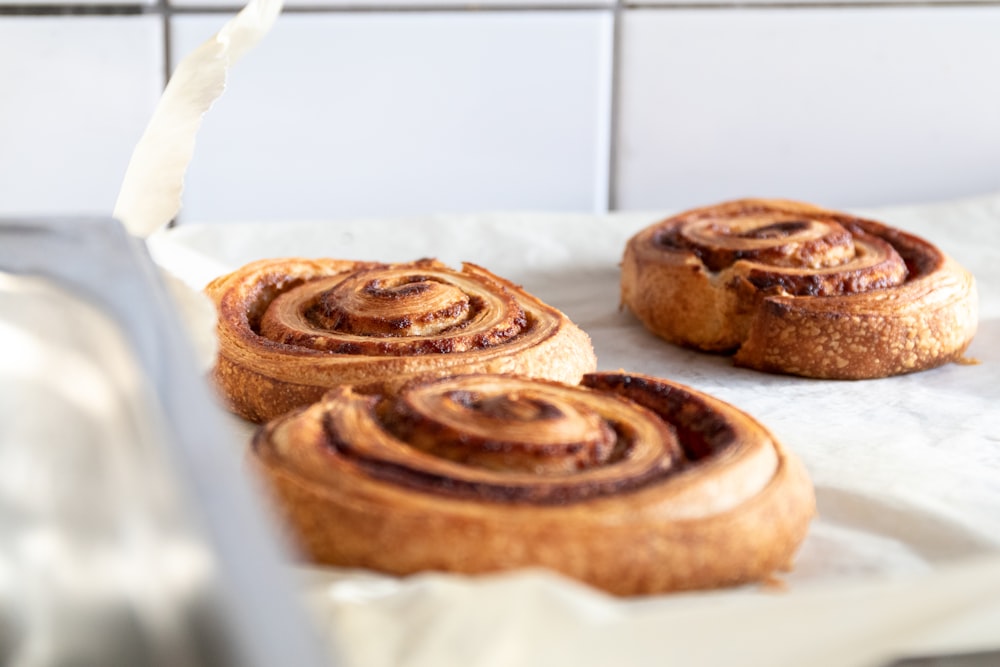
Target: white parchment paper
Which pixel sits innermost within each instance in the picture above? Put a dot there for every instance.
(151, 191)
(905, 553)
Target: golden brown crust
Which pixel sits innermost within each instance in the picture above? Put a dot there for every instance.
(290, 329)
(793, 288)
(630, 483)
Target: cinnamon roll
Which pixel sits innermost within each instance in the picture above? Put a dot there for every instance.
(630, 483)
(792, 288)
(290, 329)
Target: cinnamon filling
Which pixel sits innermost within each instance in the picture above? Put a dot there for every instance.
(818, 256)
(508, 441)
(776, 230)
(504, 432)
(392, 312)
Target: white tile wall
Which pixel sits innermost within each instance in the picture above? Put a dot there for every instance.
(370, 114)
(846, 107)
(75, 95)
(384, 107)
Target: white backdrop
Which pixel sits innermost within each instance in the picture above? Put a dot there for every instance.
(419, 107)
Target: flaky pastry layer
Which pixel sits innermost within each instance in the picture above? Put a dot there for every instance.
(633, 484)
(290, 329)
(792, 288)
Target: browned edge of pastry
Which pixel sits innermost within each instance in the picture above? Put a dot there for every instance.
(261, 377)
(733, 511)
(745, 307)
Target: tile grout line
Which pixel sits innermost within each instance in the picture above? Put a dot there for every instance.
(168, 59)
(162, 8)
(611, 200)
(75, 9)
(168, 64)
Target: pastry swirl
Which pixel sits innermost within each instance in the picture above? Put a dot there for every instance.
(290, 329)
(793, 288)
(630, 483)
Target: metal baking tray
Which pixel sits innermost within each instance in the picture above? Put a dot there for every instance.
(128, 533)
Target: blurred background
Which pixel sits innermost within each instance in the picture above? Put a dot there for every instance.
(380, 108)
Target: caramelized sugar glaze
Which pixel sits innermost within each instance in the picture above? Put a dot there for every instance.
(630, 483)
(791, 288)
(290, 329)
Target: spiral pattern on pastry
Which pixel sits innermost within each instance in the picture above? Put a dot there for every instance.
(792, 288)
(290, 329)
(630, 483)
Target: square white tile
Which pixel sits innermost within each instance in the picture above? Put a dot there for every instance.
(368, 114)
(843, 107)
(77, 93)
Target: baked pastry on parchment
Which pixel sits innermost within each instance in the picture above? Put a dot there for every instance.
(630, 483)
(792, 288)
(290, 329)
